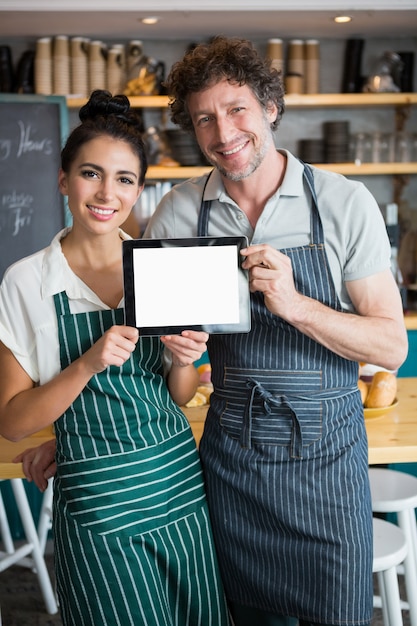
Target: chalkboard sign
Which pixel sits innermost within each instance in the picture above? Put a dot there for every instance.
(32, 211)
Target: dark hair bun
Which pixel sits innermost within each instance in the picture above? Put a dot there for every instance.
(102, 103)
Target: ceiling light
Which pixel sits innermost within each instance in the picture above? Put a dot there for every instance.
(149, 20)
(342, 19)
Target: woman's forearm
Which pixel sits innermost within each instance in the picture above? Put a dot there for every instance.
(182, 383)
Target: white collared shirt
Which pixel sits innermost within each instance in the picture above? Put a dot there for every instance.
(28, 322)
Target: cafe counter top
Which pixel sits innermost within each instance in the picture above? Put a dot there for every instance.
(392, 436)
(410, 320)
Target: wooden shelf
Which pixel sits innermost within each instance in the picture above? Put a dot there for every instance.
(370, 169)
(156, 172)
(350, 100)
(292, 101)
(138, 102)
(320, 100)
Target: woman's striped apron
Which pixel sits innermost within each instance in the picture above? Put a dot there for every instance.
(132, 536)
(284, 454)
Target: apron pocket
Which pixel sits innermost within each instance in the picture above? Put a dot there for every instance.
(136, 492)
(270, 407)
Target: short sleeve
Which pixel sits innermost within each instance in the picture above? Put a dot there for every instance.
(28, 322)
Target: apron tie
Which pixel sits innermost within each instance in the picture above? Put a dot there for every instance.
(268, 400)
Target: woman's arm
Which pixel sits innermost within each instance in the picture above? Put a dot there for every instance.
(183, 377)
(26, 408)
(38, 463)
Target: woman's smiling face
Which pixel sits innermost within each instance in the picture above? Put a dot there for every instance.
(102, 184)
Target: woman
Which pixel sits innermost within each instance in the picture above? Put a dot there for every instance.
(132, 538)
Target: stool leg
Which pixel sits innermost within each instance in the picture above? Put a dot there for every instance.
(45, 516)
(407, 522)
(391, 595)
(5, 530)
(413, 532)
(383, 598)
(32, 537)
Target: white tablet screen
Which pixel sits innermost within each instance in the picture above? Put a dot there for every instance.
(178, 276)
(176, 284)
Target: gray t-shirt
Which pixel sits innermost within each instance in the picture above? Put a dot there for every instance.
(356, 239)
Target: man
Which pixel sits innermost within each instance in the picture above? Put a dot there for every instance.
(284, 449)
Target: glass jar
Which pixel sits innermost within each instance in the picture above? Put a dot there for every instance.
(362, 148)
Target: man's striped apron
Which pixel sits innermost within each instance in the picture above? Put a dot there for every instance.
(132, 535)
(285, 459)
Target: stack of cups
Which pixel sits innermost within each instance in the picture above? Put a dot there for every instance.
(123, 62)
(115, 70)
(294, 80)
(311, 150)
(43, 66)
(352, 77)
(97, 65)
(312, 66)
(61, 66)
(135, 58)
(79, 66)
(275, 54)
(122, 49)
(6, 70)
(407, 72)
(336, 141)
(116, 75)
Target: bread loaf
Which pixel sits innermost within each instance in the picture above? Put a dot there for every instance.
(197, 400)
(364, 389)
(206, 391)
(382, 391)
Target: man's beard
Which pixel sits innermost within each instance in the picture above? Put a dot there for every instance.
(253, 166)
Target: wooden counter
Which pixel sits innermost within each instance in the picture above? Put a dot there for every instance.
(410, 320)
(196, 417)
(392, 437)
(10, 449)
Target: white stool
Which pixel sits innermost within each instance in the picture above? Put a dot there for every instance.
(29, 554)
(396, 492)
(45, 516)
(390, 549)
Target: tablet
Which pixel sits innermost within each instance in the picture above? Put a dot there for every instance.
(196, 283)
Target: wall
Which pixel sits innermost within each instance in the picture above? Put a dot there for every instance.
(332, 53)
(307, 123)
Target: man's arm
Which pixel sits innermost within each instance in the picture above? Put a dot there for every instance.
(375, 333)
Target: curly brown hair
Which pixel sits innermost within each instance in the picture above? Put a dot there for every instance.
(206, 64)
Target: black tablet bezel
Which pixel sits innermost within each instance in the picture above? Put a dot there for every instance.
(129, 245)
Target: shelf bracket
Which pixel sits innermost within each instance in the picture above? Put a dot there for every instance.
(399, 182)
(402, 113)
